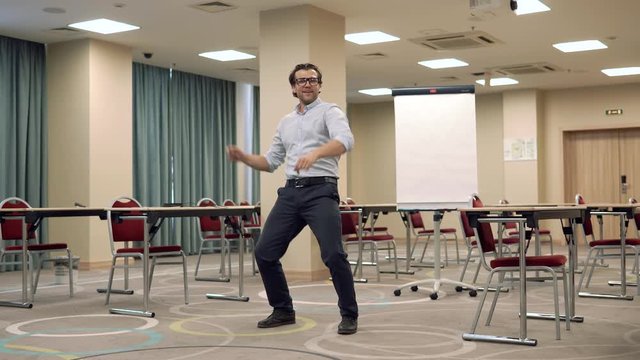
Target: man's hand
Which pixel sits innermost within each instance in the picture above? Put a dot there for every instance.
(235, 153)
(305, 162)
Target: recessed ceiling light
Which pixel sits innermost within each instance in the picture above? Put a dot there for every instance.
(498, 81)
(443, 63)
(227, 55)
(530, 7)
(376, 92)
(103, 26)
(584, 45)
(625, 71)
(370, 37)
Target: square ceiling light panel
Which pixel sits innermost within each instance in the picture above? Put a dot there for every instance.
(103, 26)
(584, 45)
(370, 37)
(443, 63)
(227, 55)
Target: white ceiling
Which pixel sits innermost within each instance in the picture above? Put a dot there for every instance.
(175, 33)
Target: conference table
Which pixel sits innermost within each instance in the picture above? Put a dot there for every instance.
(625, 212)
(31, 220)
(530, 216)
(155, 216)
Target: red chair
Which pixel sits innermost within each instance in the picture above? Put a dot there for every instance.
(126, 234)
(37, 253)
(372, 241)
(232, 233)
(375, 229)
(510, 229)
(606, 248)
(472, 245)
(420, 231)
(211, 238)
(253, 225)
(552, 264)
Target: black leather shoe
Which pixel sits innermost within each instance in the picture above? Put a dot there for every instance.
(348, 326)
(278, 318)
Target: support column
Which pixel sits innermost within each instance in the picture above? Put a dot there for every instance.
(289, 36)
(89, 86)
(522, 119)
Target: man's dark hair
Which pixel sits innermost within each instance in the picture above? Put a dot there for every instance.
(305, 66)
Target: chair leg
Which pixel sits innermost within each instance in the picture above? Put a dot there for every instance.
(195, 274)
(395, 259)
(474, 324)
(551, 243)
(586, 266)
(464, 267)
(38, 266)
(495, 297)
(443, 240)
(565, 290)
(70, 262)
(455, 238)
(153, 267)
(30, 265)
(556, 304)
(599, 254)
(110, 282)
(374, 246)
(475, 276)
(126, 273)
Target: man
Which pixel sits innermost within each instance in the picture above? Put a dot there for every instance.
(309, 141)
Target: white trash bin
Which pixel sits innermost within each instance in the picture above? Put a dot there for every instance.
(61, 271)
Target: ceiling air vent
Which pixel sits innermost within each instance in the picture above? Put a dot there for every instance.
(526, 69)
(64, 31)
(214, 6)
(373, 56)
(464, 40)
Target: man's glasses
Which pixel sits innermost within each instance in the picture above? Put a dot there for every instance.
(310, 80)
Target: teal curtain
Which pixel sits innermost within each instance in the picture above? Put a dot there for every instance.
(182, 124)
(255, 133)
(23, 125)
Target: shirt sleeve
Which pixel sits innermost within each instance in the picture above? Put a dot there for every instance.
(276, 154)
(338, 127)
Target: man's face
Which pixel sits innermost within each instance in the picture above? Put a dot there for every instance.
(306, 91)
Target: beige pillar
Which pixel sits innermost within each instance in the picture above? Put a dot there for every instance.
(521, 115)
(89, 89)
(290, 36)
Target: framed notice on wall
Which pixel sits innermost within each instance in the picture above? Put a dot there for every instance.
(436, 156)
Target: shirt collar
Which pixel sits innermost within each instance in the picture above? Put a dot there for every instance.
(307, 107)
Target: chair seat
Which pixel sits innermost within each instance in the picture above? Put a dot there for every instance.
(39, 247)
(546, 260)
(540, 231)
(442, 231)
(152, 249)
(376, 228)
(381, 237)
(614, 242)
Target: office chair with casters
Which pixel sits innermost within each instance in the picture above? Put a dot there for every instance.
(126, 231)
(606, 248)
(37, 253)
(374, 242)
(212, 238)
(510, 229)
(420, 231)
(553, 264)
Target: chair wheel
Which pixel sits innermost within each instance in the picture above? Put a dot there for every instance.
(414, 288)
(473, 293)
(434, 296)
(458, 288)
(396, 292)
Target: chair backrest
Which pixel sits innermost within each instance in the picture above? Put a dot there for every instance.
(416, 220)
(11, 229)
(484, 233)
(208, 223)
(354, 216)
(509, 225)
(587, 226)
(349, 226)
(128, 229)
(254, 220)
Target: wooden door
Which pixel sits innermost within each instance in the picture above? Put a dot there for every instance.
(594, 164)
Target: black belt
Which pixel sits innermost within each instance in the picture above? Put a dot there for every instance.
(308, 181)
